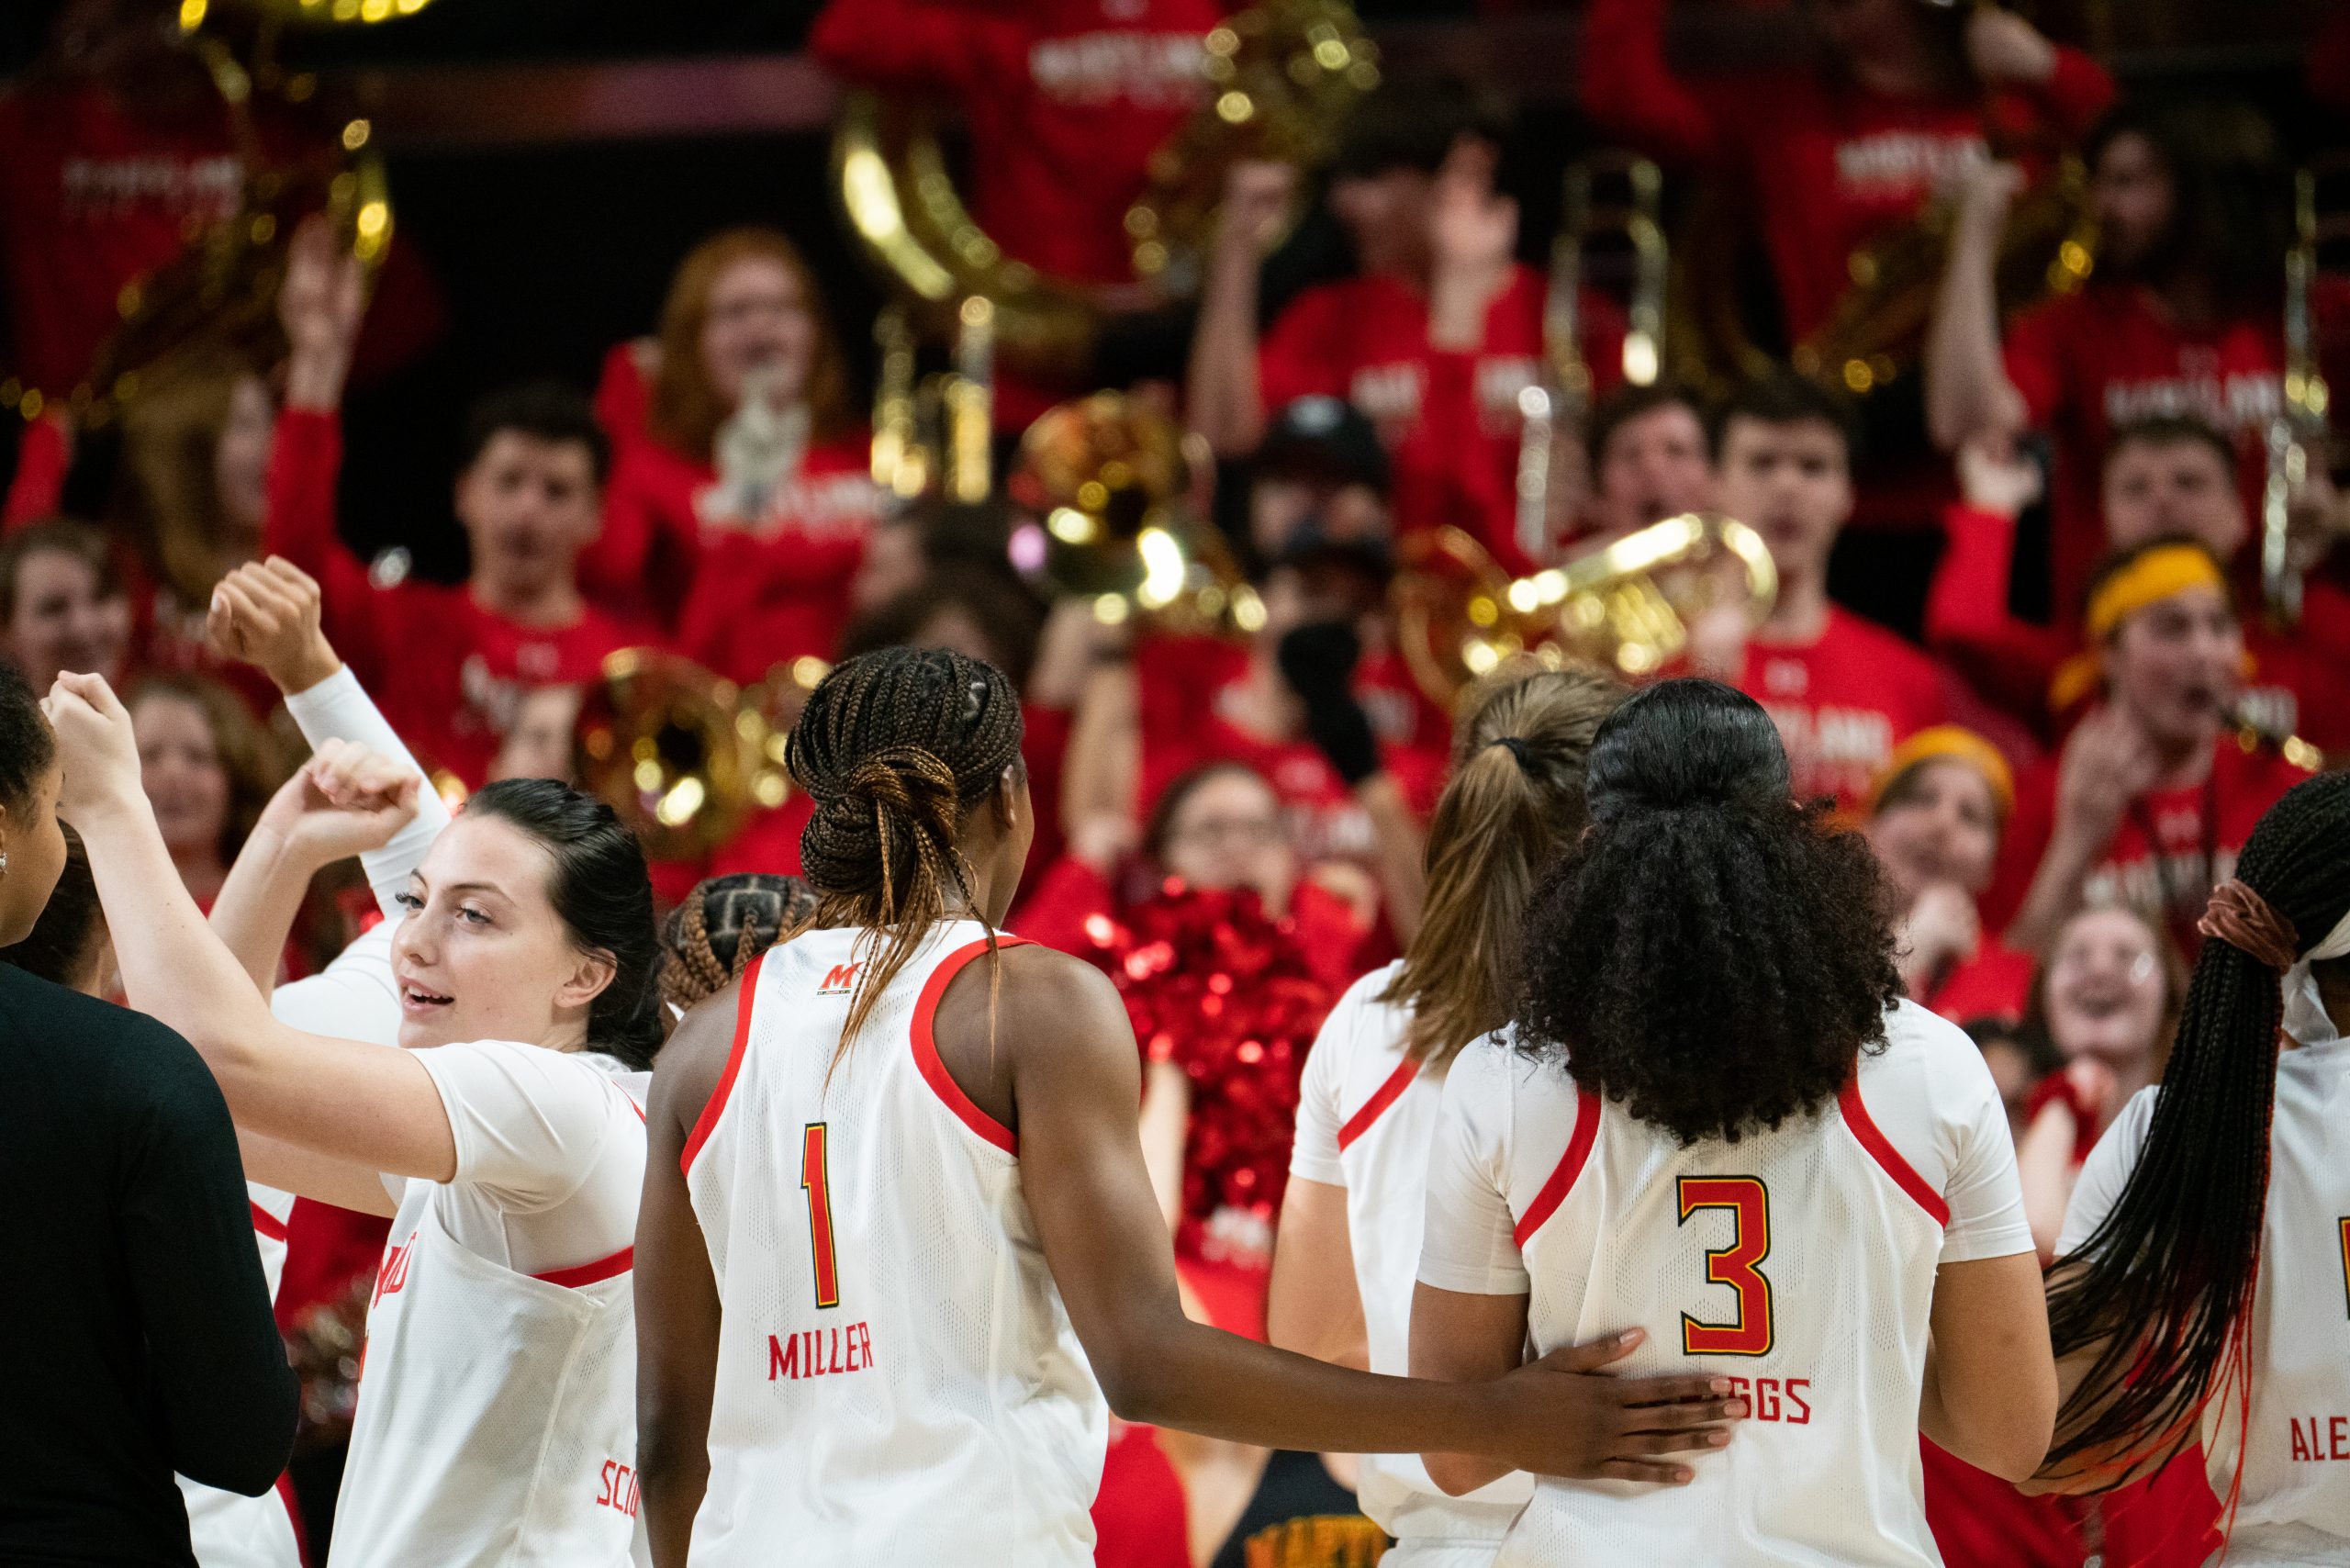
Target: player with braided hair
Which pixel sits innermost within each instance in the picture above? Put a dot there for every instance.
(726, 922)
(2198, 1290)
(898, 1241)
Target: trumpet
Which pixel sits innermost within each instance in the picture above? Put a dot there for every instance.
(1107, 477)
(1628, 605)
(2298, 429)
(1558, 402)
(683, 756)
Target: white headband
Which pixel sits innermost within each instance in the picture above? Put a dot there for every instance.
(2305, 1016)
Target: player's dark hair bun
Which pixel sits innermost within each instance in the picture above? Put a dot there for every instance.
(1684, 743)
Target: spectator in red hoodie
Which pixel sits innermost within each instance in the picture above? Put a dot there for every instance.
(742, 492)
(1433, 338)
(2166, 475)
(2184, 314)
(448, 664)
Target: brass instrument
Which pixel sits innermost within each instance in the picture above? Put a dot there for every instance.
(1628, 605)
(1282, 76)
(674, 750)
(2298, 429)
(1560, 400)
(1107, 478)
(1878, 327)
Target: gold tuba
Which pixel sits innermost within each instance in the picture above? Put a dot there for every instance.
(1107, 479)
(674, 751)
(1628, 605)
(2298, 433)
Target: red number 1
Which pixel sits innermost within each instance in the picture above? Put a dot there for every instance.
(1749, 1203)
(817, 1184)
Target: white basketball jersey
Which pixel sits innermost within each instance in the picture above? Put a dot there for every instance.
(1800, 1261)
(228, 1530)
(2294, 1441)
(496, 1418)
(1367, 1116)
(897, 1382)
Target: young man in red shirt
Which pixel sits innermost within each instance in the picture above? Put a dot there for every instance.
(1434, 336)
(449, 664)
(2168, 475)
(2154, 792)
(1649, 461)
(1843, 691)
(2184, 315)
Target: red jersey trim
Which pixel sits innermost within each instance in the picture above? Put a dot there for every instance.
(619, 1262)
(1856, 1116)
(1554, 1192)
(707, 1123)
(1376, 1106)
(265, 1223)
(933, 1072)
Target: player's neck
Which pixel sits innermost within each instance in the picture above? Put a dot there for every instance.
(1799, 613)
(551, 602)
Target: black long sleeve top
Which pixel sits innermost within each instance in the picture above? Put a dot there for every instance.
(136, 1338)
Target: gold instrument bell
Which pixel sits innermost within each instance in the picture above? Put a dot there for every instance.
(678, 752)
(1106, 479)
(1628, 605)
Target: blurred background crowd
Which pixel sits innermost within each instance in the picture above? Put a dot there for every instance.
(1244, 382)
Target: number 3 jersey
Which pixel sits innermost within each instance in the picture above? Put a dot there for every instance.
(896, 1379)
(1800, 1261)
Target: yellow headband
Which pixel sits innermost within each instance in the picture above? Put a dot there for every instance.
(1950, 740)
(2154, 576)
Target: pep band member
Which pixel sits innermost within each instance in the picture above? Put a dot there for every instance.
(1349, 1242)
(502, 1139)
(1818, 1196)
(897, 1223)
(2206, 1229)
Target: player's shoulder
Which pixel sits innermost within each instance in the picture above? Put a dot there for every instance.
(1927, 1056)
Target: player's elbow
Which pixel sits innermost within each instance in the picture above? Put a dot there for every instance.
(2011, 1440)
(1455, 1474)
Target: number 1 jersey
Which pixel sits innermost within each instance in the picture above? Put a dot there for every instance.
(898, 1381)
(1800, 1261)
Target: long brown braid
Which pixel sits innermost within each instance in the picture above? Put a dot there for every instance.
(894, 746)
(707, 941)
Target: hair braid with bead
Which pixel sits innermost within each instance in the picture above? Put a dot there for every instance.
(2161, 1292)
(894, 746)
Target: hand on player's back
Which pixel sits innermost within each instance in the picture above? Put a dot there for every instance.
(1565, 1415)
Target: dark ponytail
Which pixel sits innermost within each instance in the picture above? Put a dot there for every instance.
(1512, 805)
(604, 897)
(895, 746)
(2161, 1290)
(1709, 954)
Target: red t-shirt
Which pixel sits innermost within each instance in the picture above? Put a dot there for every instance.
(2166, 874)
(448, 674)
(2087, 362)
(1993, 982)
(1843, 701)
(740, 596)
(1185, 684)
(2298, 684)
(1836, 164)
(1449, 419)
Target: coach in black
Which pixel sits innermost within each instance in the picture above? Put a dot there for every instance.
(136, 1338)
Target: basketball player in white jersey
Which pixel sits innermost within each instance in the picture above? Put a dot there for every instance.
(267, 614)
(2210, 1228)
(494, 1423)
(1716, 1123)
(898, 1240)
(1348, 1250)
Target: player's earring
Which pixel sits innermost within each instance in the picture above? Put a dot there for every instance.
(4, 862)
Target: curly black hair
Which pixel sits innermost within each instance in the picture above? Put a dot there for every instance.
(1710, 954)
